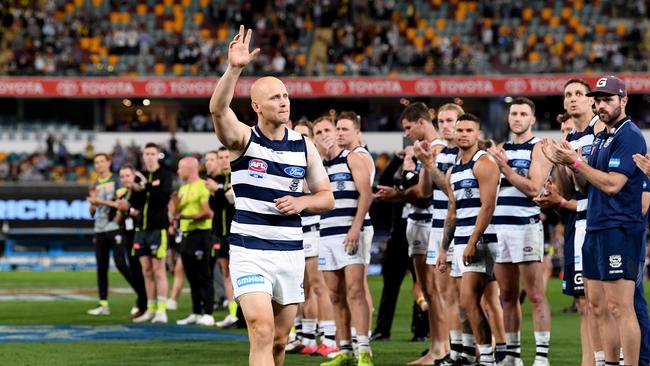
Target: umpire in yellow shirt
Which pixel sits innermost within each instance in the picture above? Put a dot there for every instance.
(193, 210)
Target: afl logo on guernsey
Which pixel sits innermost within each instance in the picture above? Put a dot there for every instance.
(257, 168)
(294, 171)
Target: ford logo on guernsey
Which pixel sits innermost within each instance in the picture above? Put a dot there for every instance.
(295, 171)
(520, 163)
(253, 279)
(257, 168)
(468, 183)
(341, 176)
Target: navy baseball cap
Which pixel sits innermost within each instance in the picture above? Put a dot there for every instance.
(610, 85)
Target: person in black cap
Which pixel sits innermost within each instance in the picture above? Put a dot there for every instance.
(615, 223)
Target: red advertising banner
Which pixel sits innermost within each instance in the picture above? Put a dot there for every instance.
(349, 87)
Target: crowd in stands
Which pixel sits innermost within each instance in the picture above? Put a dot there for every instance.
(325, 37)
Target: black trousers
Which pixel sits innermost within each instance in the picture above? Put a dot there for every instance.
(196, 256)
(396, 263)
(135, 268)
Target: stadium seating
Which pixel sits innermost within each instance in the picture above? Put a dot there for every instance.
(190, 37)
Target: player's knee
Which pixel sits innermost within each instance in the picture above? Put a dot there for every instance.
(537, 298)
(618, 307)
(261, 332)
(469, 304)
(582, 306)
(356, 292)
(336, 298)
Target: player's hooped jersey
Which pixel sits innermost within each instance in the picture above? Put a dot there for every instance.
(419, 215)
(583, 141)
(267, 170)
(445, 160)
(468, 202)
(514, 208)
(346, 198)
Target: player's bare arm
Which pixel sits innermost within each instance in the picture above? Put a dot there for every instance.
(609, 182)
(540, 167)
(232, 133)
(321, 198)
(449, 227)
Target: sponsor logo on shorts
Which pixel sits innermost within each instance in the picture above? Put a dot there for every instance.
(615, 261)
(257, 168)
(528, 249)
(431, 254)
(295, 171)
(577, 279)
(321, 261)
(254, 279)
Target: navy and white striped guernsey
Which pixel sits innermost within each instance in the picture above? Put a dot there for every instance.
(584, 141)
(515, 208)
(266, 170)
(468, 202)
(346, 198)
(420, 215)
(445, 160)
(310, 221)
(373, 172)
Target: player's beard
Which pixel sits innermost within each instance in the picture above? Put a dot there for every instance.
(607, 118)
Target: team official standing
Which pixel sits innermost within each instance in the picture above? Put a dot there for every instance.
(615, 224)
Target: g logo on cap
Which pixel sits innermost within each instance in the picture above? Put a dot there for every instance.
(601, 82)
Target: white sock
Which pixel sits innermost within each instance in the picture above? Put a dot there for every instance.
(329, 333)
(469, 347)
(487, 355)
(542, 340)
(309, 332)
(599, 356)
(513, 344)
(456, 338)
(364, 343)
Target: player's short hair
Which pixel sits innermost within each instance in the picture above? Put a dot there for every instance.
(469, 117)
(578, 81)
(415, 111)
(305, 122)
(325, 118)
(152, 144)
(128, 166)
(524, 100)
(105, 155)
(452, 107)
(352, 116)
(485, 144)
(562, 117)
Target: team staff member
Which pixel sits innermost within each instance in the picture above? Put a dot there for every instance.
(195, 215)
(107, 230)
(615, 223)
(126, 218)
(152, 192)
(222, 199)
(270, 164)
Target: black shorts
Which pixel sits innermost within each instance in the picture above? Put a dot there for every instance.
(151, 243)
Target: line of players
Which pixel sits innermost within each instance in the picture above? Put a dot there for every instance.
(137, 217)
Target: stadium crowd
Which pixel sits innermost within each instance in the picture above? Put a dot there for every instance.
(329, 37)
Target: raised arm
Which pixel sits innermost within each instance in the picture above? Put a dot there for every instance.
(232, 133)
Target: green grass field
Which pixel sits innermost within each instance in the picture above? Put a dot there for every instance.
(564, 343)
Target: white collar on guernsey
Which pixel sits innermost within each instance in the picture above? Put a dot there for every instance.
(614, 130)
(594, 120)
